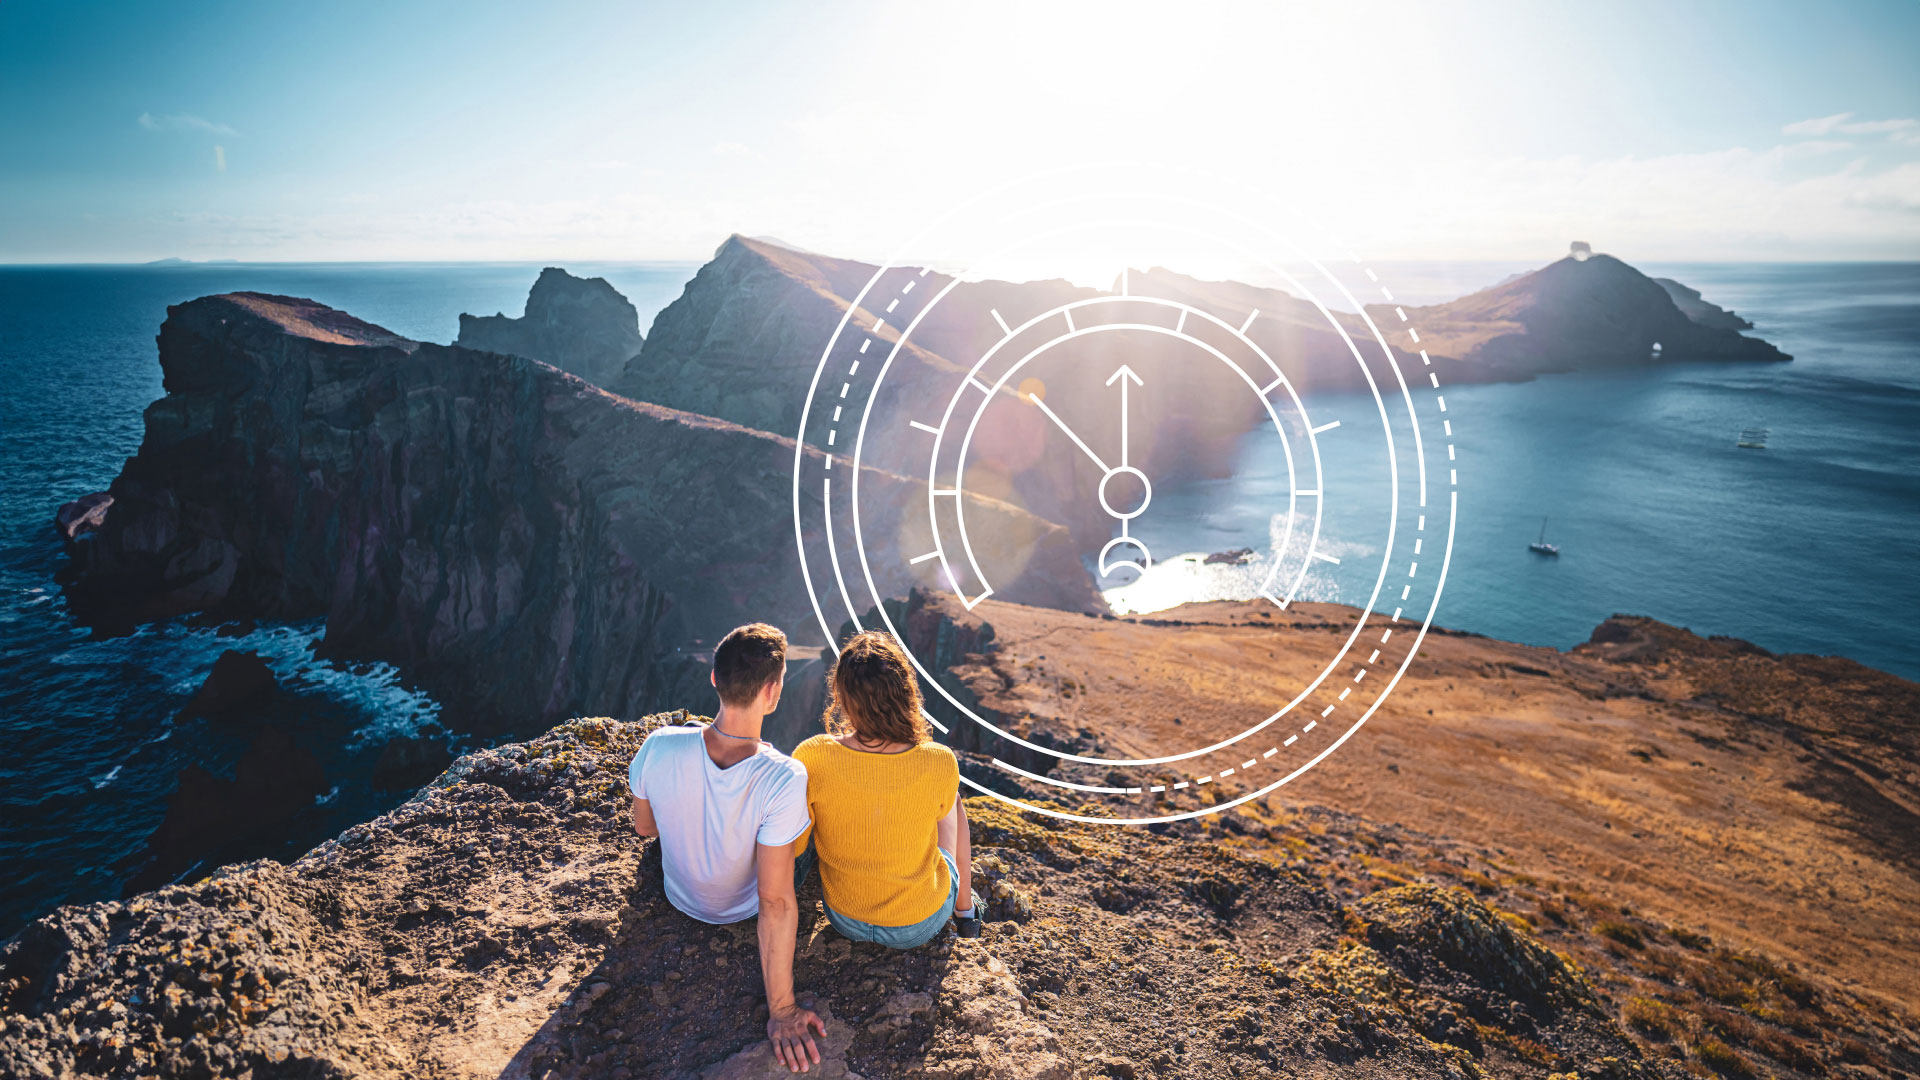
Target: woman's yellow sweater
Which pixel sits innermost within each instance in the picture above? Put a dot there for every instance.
(874, 819)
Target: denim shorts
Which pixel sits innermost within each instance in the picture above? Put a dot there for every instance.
(903, 937)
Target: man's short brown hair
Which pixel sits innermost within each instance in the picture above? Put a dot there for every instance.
(746, 660)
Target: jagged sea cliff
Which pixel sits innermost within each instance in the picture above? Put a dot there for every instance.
(445, 508)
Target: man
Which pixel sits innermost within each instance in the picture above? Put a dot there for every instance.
(727, 809)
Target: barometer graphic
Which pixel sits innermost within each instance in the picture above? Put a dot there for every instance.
(1122, 491)
(1041, 403)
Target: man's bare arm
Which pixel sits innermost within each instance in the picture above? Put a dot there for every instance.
(643, 819)
(787, 1023)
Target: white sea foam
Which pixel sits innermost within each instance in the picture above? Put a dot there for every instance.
(181, 656)
(1188, 578)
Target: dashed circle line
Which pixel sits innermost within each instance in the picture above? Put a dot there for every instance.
(1360, 671)
(872, 335)
(1239, 332)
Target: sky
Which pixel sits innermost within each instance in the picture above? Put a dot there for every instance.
(623, 130)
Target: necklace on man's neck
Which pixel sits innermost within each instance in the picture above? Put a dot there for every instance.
(717, 730)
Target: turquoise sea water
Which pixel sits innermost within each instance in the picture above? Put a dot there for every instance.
(1804, 546)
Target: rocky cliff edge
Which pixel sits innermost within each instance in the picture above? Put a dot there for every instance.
(506, 922)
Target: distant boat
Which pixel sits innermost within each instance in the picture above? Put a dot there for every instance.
(1753, 438)
(1541, 544)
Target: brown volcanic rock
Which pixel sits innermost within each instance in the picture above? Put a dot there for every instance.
(1699, 309)
(580, 325)
(522, 544)
(242, 974)
(1296, 334)
(507, 923)
(1572, 315)
(82, 515)
(743, 341)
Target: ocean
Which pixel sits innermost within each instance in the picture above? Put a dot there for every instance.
(93, 746)
(1798, 547)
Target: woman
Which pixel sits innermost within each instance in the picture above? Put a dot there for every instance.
(889, 829)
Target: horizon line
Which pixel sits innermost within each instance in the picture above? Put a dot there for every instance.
(172, 262)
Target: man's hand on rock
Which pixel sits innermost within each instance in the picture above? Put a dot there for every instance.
(792, 1044)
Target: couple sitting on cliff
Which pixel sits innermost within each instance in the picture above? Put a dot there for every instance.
(879, 798)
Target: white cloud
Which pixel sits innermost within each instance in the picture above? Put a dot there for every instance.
(1816, 147)
(1823, 125)
(1878, 127)
(185, 122)
(1904, 129)
(219, 158)
(733, 150)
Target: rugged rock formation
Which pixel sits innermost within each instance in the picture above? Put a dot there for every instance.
(520, 543)
(406, 763)
(238, 682)
(580, 325)
(211, 818)
(1572, 315)
(507, 923)
(1299, 336)
(82, 515)
(1696, 307)
(743, 340)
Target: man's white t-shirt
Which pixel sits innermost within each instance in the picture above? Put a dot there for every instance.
(710, 818)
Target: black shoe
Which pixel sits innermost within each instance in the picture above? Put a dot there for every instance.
(968, 926)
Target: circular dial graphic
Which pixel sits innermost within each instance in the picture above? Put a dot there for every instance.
(993, 435)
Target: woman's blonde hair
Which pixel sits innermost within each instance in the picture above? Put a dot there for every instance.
(873, 694)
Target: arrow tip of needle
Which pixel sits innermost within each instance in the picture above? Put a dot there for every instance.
(1128, 372)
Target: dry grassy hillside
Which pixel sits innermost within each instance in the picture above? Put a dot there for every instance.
(1647, 801)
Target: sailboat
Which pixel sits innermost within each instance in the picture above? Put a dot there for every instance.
(1541, 544)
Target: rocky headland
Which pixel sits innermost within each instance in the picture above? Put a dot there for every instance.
(1701, 310)
(742, 342)
(582, 326)
(1577, 314)
(764, 309)
(526, 546)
